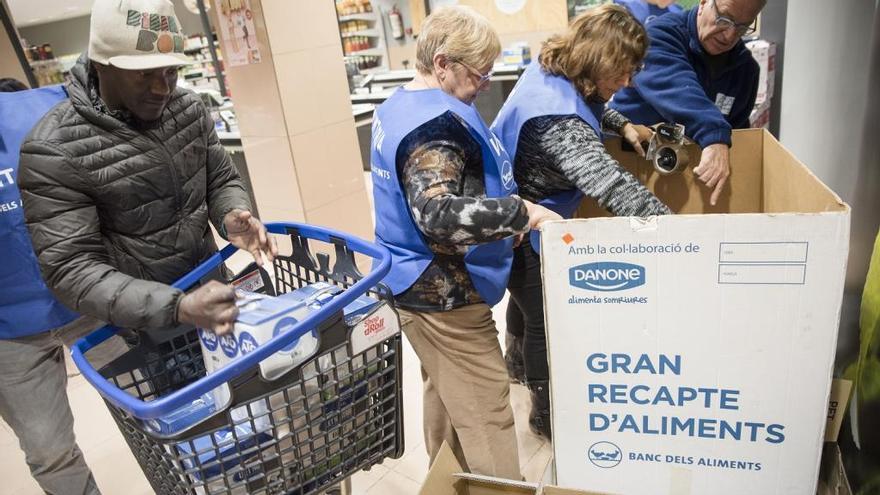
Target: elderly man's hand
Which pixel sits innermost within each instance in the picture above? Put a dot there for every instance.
(637, 134)
(244, 231)
(211, 306)
(714, 168)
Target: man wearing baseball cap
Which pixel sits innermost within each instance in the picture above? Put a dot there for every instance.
(120, 180)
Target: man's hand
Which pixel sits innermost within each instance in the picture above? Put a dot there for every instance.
(246, 232)
(714, 168)
(637, 134)
(211, 306)
(539, 214)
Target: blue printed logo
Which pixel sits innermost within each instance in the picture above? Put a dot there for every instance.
(284, 325)
(507, 174)
(229, 345)
(606, 276)
(247, 343)
(209, 339)
(605, 455)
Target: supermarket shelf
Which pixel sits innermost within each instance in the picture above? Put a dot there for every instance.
(374, 98)
(200, 78)
(373, 70)
(372, 33)
(196, 49)
(368, 51)
(366, 16)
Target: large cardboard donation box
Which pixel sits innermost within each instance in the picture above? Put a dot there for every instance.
(446, 477)
(692, 353)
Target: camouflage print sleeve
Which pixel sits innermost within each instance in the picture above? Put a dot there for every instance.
(442, 177)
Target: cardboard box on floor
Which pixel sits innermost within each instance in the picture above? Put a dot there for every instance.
(693, 353)
(446, 478)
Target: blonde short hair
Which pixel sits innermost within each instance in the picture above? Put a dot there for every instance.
(461, 34)
(602, 42)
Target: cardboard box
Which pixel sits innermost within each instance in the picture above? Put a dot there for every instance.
(693, 353)
(764, 52)
(446, 478)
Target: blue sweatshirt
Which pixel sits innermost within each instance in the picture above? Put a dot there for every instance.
(645, 12)
(677, 86)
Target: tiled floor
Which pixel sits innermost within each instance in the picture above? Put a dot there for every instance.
(117, 472)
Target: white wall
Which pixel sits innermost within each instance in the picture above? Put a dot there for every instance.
(829, 116)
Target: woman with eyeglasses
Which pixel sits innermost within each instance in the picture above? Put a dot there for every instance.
(552, 124)
(446, 209)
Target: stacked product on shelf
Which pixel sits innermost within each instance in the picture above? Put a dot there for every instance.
(349, 7)
(201, 73)
(362, 36)
(201, 77)
(46, 68)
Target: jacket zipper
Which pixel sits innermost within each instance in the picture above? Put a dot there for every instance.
(174, 178)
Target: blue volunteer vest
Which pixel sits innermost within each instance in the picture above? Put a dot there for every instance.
(26, 305)
(536, 94)
(488, 264)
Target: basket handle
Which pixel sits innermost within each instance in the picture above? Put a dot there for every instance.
(177, 399)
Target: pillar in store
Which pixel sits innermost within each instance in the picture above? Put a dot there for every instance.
(294, 112)
(10, 63)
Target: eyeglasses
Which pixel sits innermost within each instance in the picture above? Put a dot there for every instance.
(482, 77)
(726, 23)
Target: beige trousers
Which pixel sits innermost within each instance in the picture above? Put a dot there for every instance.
(466, 388)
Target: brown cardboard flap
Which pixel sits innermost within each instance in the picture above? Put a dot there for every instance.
(789, 186)
(497, 486)
(440, 480)
(837, 403)
(555, 490)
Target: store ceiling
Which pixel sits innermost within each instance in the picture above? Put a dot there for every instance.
(30, 12)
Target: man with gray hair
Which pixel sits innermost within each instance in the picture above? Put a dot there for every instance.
(699, 73)
(119, 182)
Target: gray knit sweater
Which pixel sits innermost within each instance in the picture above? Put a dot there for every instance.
(558, 153)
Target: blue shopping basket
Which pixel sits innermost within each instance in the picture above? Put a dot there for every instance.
(335, 414)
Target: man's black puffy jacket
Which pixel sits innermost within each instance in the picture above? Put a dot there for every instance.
(116, 213)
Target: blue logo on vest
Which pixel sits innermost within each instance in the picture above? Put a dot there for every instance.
(229, 345)
(507, 174)
(209, 339)
(605, 455)
(284, 325)
(606, 276)
(247, 343)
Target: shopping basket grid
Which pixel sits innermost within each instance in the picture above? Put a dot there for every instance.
(337, 413)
